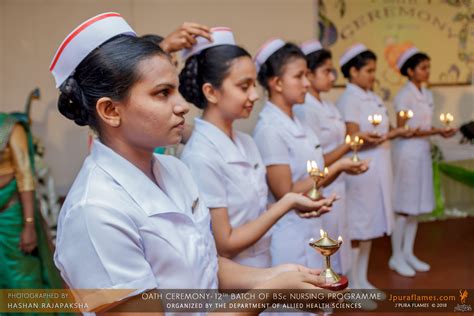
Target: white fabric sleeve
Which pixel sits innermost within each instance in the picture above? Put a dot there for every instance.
(210, 180)
(308, 117)
(272, 146)
(402, 102)
(351, 111)
(102, 249)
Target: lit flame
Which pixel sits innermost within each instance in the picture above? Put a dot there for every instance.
(308, 166)
(402, 113)
(314, 165)
(446, 117)
(375, 119)
(410, 114)
(321, 232)
(378, 118)
(339, 239)
(326, 171)
(348, 139)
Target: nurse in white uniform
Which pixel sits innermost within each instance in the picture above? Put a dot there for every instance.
(220, 78)
(134, 220)
(326, 121)
(286, 144)
(369, 196)
(413, 173)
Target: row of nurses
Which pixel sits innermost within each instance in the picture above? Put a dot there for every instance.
(370, 195)
(286, 143)
(220, 78)
(148, 206)
(325, 120)
(413, 180)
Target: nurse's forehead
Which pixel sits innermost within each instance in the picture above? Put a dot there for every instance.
(157, 70)
(294, 64)
(242, 69)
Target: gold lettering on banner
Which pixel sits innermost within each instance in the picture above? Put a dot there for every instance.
(363, 20)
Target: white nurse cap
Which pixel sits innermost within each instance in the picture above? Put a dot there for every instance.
(83, 40)
(311, 46)
(266, 50)
(352, 52)
(220, 36)
(407, 54)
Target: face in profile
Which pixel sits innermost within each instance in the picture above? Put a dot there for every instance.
(322, 78)
(237, 94)
(365, 76)
(293, 81)
(421, 73)
(153, 113)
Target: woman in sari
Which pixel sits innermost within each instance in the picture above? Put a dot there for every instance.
(25, 252)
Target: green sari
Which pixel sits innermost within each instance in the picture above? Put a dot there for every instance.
(17, 269)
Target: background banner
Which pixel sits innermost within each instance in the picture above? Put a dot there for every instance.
(444, 29)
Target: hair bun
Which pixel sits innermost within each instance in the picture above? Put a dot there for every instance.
(189, 86)
(71, 103)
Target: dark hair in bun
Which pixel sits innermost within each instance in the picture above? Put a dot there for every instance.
(316, 59)
(108, 71)
(412, 62)
(358, 62)
(71, 104)
(211, 65)
(273, 66)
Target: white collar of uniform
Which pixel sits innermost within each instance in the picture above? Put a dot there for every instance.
(140, 188)
(224, 144)
(420, 95)
(311, 100)
(294, 125)
(364, 95)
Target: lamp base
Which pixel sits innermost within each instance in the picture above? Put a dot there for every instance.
(355, 158)
(336, 286)
(313, 195)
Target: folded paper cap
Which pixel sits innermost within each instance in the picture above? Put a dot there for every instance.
(311, 46)
(220, 36)
(83, 40)
(407, 54)
(266, 50)
(352, 52)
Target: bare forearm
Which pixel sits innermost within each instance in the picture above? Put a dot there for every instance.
(393, 132)
(27, 203)
(235, 276)
(334, 171)
(336, 154)
(425, 133)
(301, 186)
(244, 236)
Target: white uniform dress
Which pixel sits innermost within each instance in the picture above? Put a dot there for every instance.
(230, 174)
(282, 140)
(327, 123)
(118, 229)
(413, 173)
(369, 195)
